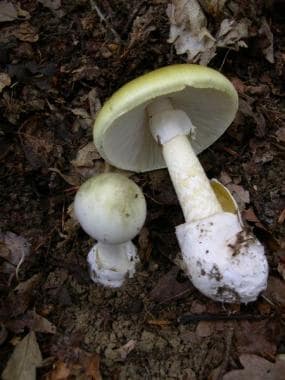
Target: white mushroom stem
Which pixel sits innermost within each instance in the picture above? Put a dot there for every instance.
(169, 127)
(223, 260)
(110, 264)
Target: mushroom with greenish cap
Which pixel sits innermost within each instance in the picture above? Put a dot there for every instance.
(112, 209)
(165, 118)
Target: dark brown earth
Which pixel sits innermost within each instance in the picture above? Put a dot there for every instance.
(61, 69)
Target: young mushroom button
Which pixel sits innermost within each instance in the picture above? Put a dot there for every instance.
(112, 209)
(165, 118)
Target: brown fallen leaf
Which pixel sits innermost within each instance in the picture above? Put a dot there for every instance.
(91, 363)
(169, 288)
(33, 321)
(205, 329)
(250, 216)
(72, 180)
(14, 249)
(87, 162)
(257, 368)
(188, 31)
(19, 298)
(86, 156)
(24, 360)
(8, 11)
(51, 4)
(86, 366)
(255, 338)
(275, 291)
(225, 178)
(38, 143)
(60, 371)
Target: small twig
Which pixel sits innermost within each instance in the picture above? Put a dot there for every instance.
(22, 259)
(268, 300)
(95, 7)
(178, 295)
(194, 318)
(224, 60)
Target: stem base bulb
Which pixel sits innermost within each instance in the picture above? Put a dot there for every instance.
(112, 272)
(224, 261)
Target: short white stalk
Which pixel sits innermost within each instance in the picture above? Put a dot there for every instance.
(111, 208)
(109, 264)
(169, 127)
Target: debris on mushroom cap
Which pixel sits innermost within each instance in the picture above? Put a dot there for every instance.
(111, 208)
(224, 260)
(121, 130)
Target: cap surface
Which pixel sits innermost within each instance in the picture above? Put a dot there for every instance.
(110, 207)
(121, 131)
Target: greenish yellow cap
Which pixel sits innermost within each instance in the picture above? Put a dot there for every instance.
(121, 130)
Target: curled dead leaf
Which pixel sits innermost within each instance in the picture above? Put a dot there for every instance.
(257, 368)
(19, 298)
(190, 28)
(25, 358)
(60, 371)
(33, 321)
(255, 338)
(232, 33)
(72, 180)
(275, 291)
(10, 11)
(86, 156)
(14, 248)
(168, 288)
(88, 163)
(51, 4)
(188, 31)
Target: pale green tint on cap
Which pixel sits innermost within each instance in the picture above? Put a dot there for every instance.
(121, 130)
